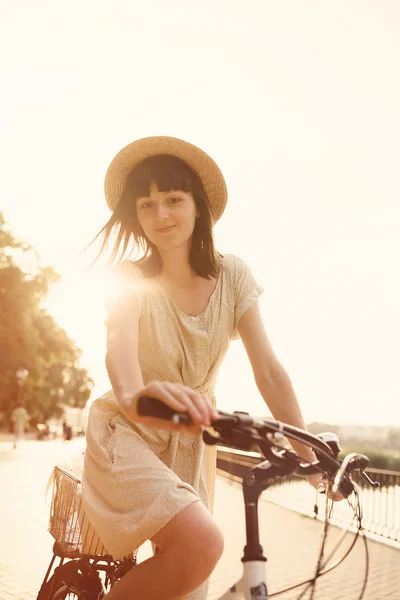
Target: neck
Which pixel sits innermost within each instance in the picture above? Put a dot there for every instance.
(175, 265)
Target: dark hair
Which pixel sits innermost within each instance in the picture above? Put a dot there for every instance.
(168, 173)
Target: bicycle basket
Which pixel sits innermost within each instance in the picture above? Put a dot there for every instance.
(69, 524)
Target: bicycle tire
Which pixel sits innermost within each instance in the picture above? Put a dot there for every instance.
(74, 586)
(64, 591)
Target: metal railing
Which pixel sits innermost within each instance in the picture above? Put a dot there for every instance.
(380, 506)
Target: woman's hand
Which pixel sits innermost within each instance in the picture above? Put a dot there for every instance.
(178, 397)
(318, 481)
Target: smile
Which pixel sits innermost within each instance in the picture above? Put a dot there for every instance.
(166, 229)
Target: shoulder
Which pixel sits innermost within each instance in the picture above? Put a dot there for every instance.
(230, 262)
(234, 267)
(124, 280)
(125, 275)
(127, 269)
(241, 281)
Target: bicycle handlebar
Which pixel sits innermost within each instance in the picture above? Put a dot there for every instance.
(242, 431)
(151, 407)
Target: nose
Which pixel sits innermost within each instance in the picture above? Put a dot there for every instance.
(162, 211)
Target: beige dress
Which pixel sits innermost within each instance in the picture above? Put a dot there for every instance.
(136, 478)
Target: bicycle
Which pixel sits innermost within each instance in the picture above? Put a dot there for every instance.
(77, 541)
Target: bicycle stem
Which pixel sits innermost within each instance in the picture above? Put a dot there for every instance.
(254, 483)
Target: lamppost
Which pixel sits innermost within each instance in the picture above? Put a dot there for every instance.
(59, 395)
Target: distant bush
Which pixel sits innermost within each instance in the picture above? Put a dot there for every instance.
(317, 427)
(377, 459)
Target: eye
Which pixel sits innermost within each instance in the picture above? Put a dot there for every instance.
(145, 205)
(174, 199)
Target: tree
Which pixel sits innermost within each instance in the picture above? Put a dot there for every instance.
(392, 439)
(31, 339)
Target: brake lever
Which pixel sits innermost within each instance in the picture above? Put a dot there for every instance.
(374, 484)
(352, 462)
(360, 462)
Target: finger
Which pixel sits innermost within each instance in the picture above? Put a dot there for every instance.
(185, 397)
(197, 406)
(195, 429)
(323, 488)
(161, 391)
(203, 404)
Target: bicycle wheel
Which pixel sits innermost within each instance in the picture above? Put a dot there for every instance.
(72, 586)
(69, 591)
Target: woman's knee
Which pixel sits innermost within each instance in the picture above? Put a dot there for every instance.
(194, 540)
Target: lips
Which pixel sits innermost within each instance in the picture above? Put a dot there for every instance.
(166, 229)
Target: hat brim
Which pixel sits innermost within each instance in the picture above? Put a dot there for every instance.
(203, 165)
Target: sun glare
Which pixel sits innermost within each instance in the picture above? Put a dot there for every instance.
(118, 284)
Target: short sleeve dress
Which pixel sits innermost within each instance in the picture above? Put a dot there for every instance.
(136, 478)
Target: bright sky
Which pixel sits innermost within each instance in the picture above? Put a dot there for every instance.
(297, 101)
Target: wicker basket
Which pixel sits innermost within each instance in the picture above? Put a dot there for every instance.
(69, 524)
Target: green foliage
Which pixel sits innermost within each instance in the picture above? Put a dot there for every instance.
(316, 427)
(378, 459)
(380, 444)
(31, 339)
(392, 438)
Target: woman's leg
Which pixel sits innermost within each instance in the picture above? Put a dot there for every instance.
(189, 547)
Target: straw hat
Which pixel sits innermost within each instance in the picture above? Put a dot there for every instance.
(129, 157)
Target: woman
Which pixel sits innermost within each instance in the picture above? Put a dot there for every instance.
(171, 317)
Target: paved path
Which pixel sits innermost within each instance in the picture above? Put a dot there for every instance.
(289, 540)
(25, 544)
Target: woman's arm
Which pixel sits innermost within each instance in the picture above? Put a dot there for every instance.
(122, 360)
(271, 378)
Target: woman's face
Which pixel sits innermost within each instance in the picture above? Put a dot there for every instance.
(167, 218)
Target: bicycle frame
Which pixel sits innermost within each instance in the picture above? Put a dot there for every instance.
(247, 587)
(253, 584)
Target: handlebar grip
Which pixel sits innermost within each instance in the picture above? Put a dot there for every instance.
(152, 407)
